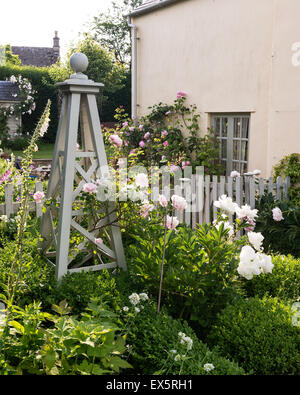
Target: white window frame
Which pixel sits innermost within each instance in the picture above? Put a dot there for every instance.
(230, 139)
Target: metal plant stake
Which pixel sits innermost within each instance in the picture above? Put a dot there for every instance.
(71, 170)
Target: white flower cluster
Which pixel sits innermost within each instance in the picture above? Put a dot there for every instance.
(27, 104)
(208, 367)
(186, 340)
(135, 299)
(254, 262)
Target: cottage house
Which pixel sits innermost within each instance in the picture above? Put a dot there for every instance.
(38, 56)
(9, 97)
(238, 61)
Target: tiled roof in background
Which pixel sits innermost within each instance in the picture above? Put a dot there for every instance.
(151, 5)
(36, 56)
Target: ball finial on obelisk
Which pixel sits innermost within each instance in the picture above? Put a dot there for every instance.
(79, 63)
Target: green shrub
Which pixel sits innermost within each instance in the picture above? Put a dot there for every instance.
(200, 275)
(37, 278)
(78, 288)
(258, 334)
(284, 282)
(153, 337)
(17, 144)
(39, 343)
(289, 166)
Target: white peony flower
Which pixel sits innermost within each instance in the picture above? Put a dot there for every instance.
(246, 211)
(226, 204)
(277, 214)
(249, 264)
(256, 239)
(265, 263)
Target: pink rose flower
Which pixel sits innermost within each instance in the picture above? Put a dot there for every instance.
(98, 241)
(165, 143)
(131, 128)
(89, 187)
(141, 127)
(142, 144)
(180, 94)
(147, 136)
(116, 140)
(277, 214)
(125, 124)
(164, 133)
(38, 196)
(179, 202)
(174, 168)
(163, 200)
(145, 209)
(141, 180)
(172, 222)
(234, 174)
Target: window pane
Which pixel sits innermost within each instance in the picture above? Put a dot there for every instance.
(245, 127)
(236, 165)
(244, 150)
(243, 167)
(237, 127)
(217, 126)
(223, 148)
(224, 127)
(236, 150)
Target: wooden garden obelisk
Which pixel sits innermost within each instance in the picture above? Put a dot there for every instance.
(68, 239)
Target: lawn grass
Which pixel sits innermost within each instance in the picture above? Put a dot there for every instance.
(45, 151)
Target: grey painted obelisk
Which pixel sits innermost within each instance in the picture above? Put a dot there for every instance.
(71, 169)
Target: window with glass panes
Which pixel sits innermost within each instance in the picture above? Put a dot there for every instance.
(232, 130)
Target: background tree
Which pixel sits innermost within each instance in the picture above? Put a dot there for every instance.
(104, 68)
(111, 30)
(8, 57)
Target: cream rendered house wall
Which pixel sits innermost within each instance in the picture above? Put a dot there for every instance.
(229, 56)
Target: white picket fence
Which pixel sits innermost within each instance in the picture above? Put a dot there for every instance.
(10, 206)
(200, 192)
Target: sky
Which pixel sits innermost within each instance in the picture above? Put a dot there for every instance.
(33, 22)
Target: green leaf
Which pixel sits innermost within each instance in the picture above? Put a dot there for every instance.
(19, 328)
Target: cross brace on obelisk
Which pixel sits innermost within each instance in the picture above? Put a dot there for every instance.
(71, 170)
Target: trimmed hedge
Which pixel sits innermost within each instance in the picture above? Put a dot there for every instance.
(284, 282)
(259, 335)
(154, 335)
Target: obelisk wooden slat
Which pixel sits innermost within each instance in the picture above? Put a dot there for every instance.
(70, 170)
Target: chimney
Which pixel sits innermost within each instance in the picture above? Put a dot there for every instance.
(56, 44)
